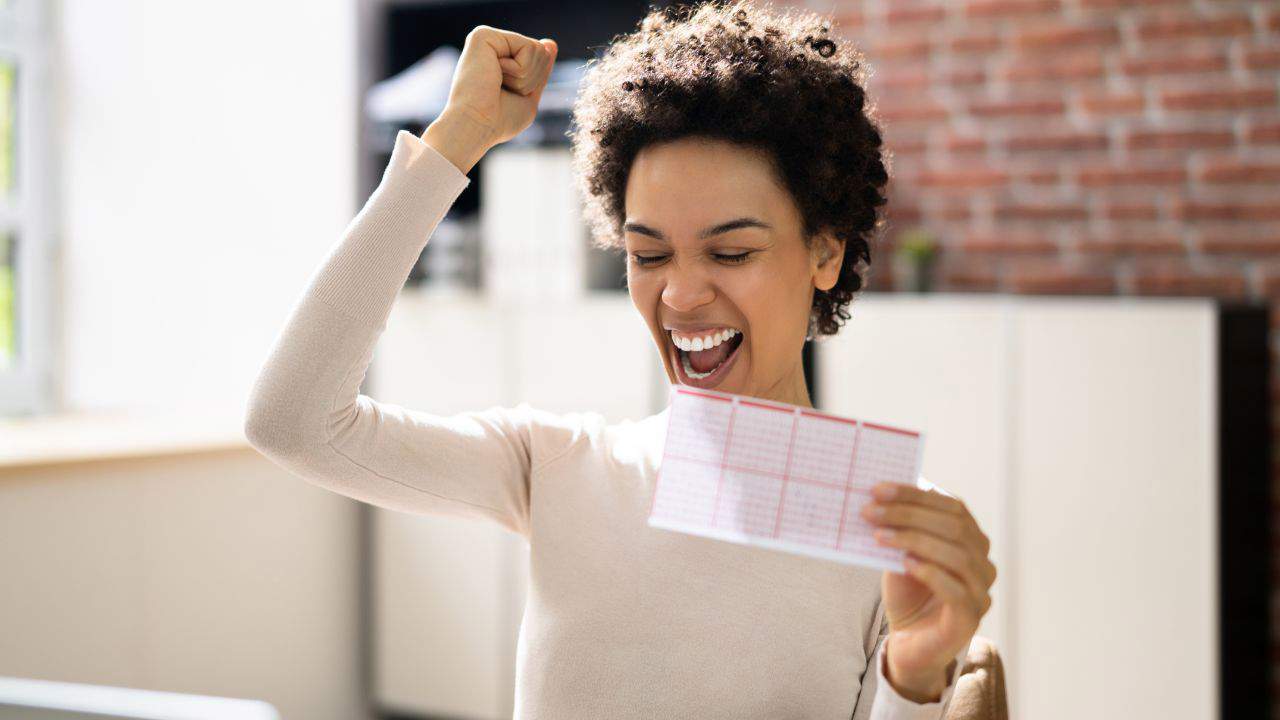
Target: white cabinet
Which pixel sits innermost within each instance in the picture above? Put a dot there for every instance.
(1082, 435)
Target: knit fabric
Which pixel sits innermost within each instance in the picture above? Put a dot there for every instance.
(622, 620)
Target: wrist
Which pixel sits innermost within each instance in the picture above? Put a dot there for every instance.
(918, 687)
(459, 138)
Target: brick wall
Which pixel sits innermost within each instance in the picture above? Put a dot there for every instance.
(1102, 147)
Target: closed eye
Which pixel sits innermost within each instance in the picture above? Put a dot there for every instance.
(649, 260)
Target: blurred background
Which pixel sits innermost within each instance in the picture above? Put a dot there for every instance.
(1072, 300)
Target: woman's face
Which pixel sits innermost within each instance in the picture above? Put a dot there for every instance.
(714, 243)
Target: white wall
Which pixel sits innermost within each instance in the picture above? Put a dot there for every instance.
(214, 573)
(207, 163)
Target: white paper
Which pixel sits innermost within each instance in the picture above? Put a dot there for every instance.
(759, 472)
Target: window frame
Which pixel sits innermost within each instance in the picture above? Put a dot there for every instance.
(26, 214)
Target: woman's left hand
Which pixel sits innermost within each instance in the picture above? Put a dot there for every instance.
(934, 609)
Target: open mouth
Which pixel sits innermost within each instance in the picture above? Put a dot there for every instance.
(705, 368)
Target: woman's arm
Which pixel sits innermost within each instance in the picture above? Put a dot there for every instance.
(305, 411)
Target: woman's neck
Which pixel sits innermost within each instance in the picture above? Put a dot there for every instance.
(792, 389)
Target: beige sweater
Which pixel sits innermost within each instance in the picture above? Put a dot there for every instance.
(622, 620)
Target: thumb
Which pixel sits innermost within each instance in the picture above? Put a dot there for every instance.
(550, 45)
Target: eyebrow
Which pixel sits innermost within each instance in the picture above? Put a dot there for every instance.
(742, 222)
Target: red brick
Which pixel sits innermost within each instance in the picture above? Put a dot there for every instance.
(902, 213)
(1111, 104)
(900, 76)
(1125, 4)
(1241, 245)
(1179, 139)
(1061, 281)
(1262, 133)
(984, 43)
(954, 211)
(900, 15)
(1039, 177)
(963, 178)
(1041, 211)
(1180, 281)
(1184, 209)
(1180, 63)
(1057, 141)
(1131, 211)
(1104, 176)
(1004, 108)
(849, 20)
(1262, 240)
(1130, 244)
(1271, 289)
(908, 107)
(1009, 8)
(1186, 25)
(1262, 58)
(1080, 67)
(1234, 171)
(900, 48)
(1008, 244)
(906, 146)
(1231, 99)
(1059, 35)
(958, 145)
(965, 76)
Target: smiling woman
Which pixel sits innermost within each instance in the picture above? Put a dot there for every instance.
(757, 275)
(725, 148)
(777, 85)
(728, 152)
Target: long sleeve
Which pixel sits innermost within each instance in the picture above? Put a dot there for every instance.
(877, 700)
(305, 412)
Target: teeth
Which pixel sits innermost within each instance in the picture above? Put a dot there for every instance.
(702, 343)
(690, 345)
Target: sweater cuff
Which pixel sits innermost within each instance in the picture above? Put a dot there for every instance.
(889, 705)
(365, 270)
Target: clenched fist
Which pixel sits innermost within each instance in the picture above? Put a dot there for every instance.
(495, 92)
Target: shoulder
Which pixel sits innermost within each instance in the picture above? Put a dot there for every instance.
(553, 435)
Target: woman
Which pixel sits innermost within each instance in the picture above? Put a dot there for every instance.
(728, 152)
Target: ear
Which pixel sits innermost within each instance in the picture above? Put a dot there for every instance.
(826, 257)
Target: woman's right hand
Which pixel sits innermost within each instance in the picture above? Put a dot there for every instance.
(499, 81)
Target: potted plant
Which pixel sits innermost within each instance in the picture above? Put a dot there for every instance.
(913, 260)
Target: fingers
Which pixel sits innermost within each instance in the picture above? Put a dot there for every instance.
(526, 63)
(945, 525)
(960, 531)
(946, 516)
(938, 529)
(964, 567)
(944, 585)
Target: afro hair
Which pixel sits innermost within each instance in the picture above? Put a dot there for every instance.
(750, 74)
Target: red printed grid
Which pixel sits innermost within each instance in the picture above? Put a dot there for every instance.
(781, 476)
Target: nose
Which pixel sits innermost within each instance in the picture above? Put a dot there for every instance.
(687, 288)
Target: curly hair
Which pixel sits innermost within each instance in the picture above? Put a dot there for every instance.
(753, 76)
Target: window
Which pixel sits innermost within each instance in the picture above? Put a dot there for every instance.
(26, 212)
